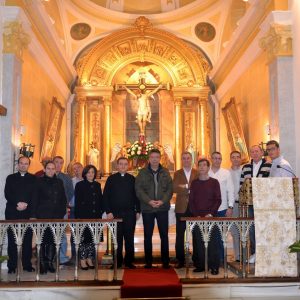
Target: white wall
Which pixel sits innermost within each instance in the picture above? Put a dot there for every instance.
(295, 8)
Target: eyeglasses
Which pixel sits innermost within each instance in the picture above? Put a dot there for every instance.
(271, 149)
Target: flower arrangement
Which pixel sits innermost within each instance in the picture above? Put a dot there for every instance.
(139, 150)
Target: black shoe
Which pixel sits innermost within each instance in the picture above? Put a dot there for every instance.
(29, 269)
(91, 265)
(51, 267)
(67, 263)
(130, 266)
(198, 270)
(11, 270)
(214, 271)
(166, 266)
(237, 260)
(147, 266)
(179, 265)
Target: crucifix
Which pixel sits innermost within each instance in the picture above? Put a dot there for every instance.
(143, 94)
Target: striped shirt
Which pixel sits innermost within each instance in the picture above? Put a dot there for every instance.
(247, 170)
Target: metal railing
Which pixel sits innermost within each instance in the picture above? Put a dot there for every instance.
(224, 227)
(58, 229)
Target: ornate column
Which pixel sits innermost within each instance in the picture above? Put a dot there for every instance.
(107, 101)
(178, 132)
(79, 143)
(15, 40)
(204, 132)
(278, 45)
(295, 8)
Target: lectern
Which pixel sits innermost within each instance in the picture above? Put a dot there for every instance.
(275, 202)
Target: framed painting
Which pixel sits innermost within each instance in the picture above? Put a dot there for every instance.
(234, 129)
(52, 133)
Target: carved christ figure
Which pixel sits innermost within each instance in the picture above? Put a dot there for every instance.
(144, 111)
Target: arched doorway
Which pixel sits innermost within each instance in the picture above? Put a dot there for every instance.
(135, 57)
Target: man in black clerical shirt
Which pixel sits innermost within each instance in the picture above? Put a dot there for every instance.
(120, 201)
(20, 193)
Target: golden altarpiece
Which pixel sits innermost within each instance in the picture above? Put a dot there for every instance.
(141, 81)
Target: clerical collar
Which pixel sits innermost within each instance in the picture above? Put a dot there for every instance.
(122, 174)
(22, 174)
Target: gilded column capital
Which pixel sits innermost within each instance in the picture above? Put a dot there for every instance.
(278, 41)
(81, 99)
(178, 101)
(15, 39)
(107, 101)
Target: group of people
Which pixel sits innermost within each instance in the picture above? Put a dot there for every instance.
(205, 191)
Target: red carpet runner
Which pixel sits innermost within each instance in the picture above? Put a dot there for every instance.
(149, 283)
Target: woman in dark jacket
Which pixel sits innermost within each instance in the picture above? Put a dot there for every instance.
(88, 205)
(51, 204)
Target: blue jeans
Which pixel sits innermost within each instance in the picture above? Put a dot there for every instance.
(63, 248)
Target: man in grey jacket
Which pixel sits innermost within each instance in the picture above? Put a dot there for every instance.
(154, 189)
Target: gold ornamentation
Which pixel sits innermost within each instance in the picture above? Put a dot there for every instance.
(52, 133)
(142, 23)
(183, 64)
(235, 132)
(278, 41)
(14, 38)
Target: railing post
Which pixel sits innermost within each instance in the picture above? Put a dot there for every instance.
(38, 260)
(187, 249)
(96, 261)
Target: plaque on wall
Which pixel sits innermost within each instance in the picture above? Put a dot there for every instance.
(205, 31)
(80, 31)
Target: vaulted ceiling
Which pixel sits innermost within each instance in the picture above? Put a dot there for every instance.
(96, 19)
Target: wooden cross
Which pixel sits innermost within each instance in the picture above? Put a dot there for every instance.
(3, 110)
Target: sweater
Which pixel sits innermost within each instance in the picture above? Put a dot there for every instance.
(205, 197)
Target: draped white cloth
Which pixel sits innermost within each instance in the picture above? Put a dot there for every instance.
(275, 226)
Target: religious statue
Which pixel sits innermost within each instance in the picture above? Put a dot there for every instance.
(49, 144)
(168, 150)
(144, 111)
(190, 148)
(93, 155)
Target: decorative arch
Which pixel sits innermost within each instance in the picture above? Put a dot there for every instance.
(186, 67)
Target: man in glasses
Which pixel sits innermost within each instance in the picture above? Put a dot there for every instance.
(280, 166)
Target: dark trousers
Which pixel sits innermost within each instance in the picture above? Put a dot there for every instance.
(252, 230)
(180, 234)
(125, 231)
(199, 249)
(162, 218)
(221, 213)
(26, 250)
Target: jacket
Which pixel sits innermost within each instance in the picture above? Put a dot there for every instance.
(145, 189)
(88, 200)
(51, 198)
(19, 188)
(182, 198)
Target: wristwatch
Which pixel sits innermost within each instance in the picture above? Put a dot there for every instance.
(231, 207)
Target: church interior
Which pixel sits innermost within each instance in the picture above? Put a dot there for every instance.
(86, 79)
